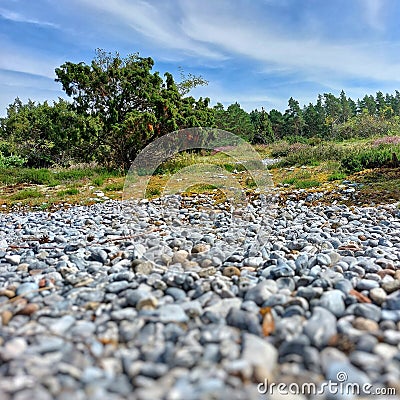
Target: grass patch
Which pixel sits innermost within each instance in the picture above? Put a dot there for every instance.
(114, 187)
(98, 181)
(68, 192)
(289, 181)
(26, 194)
(306, 184)
(337, 176)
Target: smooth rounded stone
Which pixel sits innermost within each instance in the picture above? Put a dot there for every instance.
(117, 286)
(286, 283)
(262, 291)
(368, 311)
(367, 284)
(177, 293)
(391, 337)
(180, 256)
(171, 313)
(367, 361)
(28, 290)
(253, 261)
(98, 254)
(294, 346)
(192, 308)
(200, 248)
(133, 296)
(390, 287)
(308, 292)
(250, 306)
(288, 328)
(147, 303)
(222, 307)
(244, 321)
(311, 359)
(320, 327)
(301, 262)
(293, 310)
(144, 267)
(386, 351)
(13, 349)
(323, 259)
(261, 355)
(391, 315)
(82, 329)
(275, 299)
(393, 301)
(280, 271)
(366, 343)
(365, 324)
(378, 295)
(127, 313)
(231, 271)
(333, 300)
(59, 326)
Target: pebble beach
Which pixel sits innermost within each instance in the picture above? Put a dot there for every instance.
(198, 300)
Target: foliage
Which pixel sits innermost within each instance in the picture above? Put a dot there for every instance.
(371, 157)
(132, 104)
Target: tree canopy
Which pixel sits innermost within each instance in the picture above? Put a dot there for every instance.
(119, 105)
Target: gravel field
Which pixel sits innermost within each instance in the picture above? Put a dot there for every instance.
(148, 301)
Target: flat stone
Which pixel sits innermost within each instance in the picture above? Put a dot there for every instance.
(262, 291)
(172, 313)
(62, 325)
(393, 301)
(333, 300)
(261, 355)
(365, 324)
(13, 259)
(244, 321)
(378, 296)
(390, 287)
(320, 327)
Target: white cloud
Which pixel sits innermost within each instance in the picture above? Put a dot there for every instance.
(373, 13)
(157, 23)
(17, 17)
(310, 57)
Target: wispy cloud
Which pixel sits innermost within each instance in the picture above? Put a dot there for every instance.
(17, 17)
(310, 57)
(373, 13)
(158, 22)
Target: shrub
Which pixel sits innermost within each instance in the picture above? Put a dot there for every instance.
(386, 141)
(336, 176)
(377, 157)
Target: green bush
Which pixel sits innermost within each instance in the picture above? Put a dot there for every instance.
(306, 184)
(370, 158)
(9, 161)
(336, 176)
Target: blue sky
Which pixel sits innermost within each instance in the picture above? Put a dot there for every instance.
(256, 52)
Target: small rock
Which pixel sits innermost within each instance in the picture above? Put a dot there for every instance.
(365, 324)
(378, 295)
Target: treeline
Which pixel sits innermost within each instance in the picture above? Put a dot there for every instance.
(119, 105)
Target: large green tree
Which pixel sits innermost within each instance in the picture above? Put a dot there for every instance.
(133, 104)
